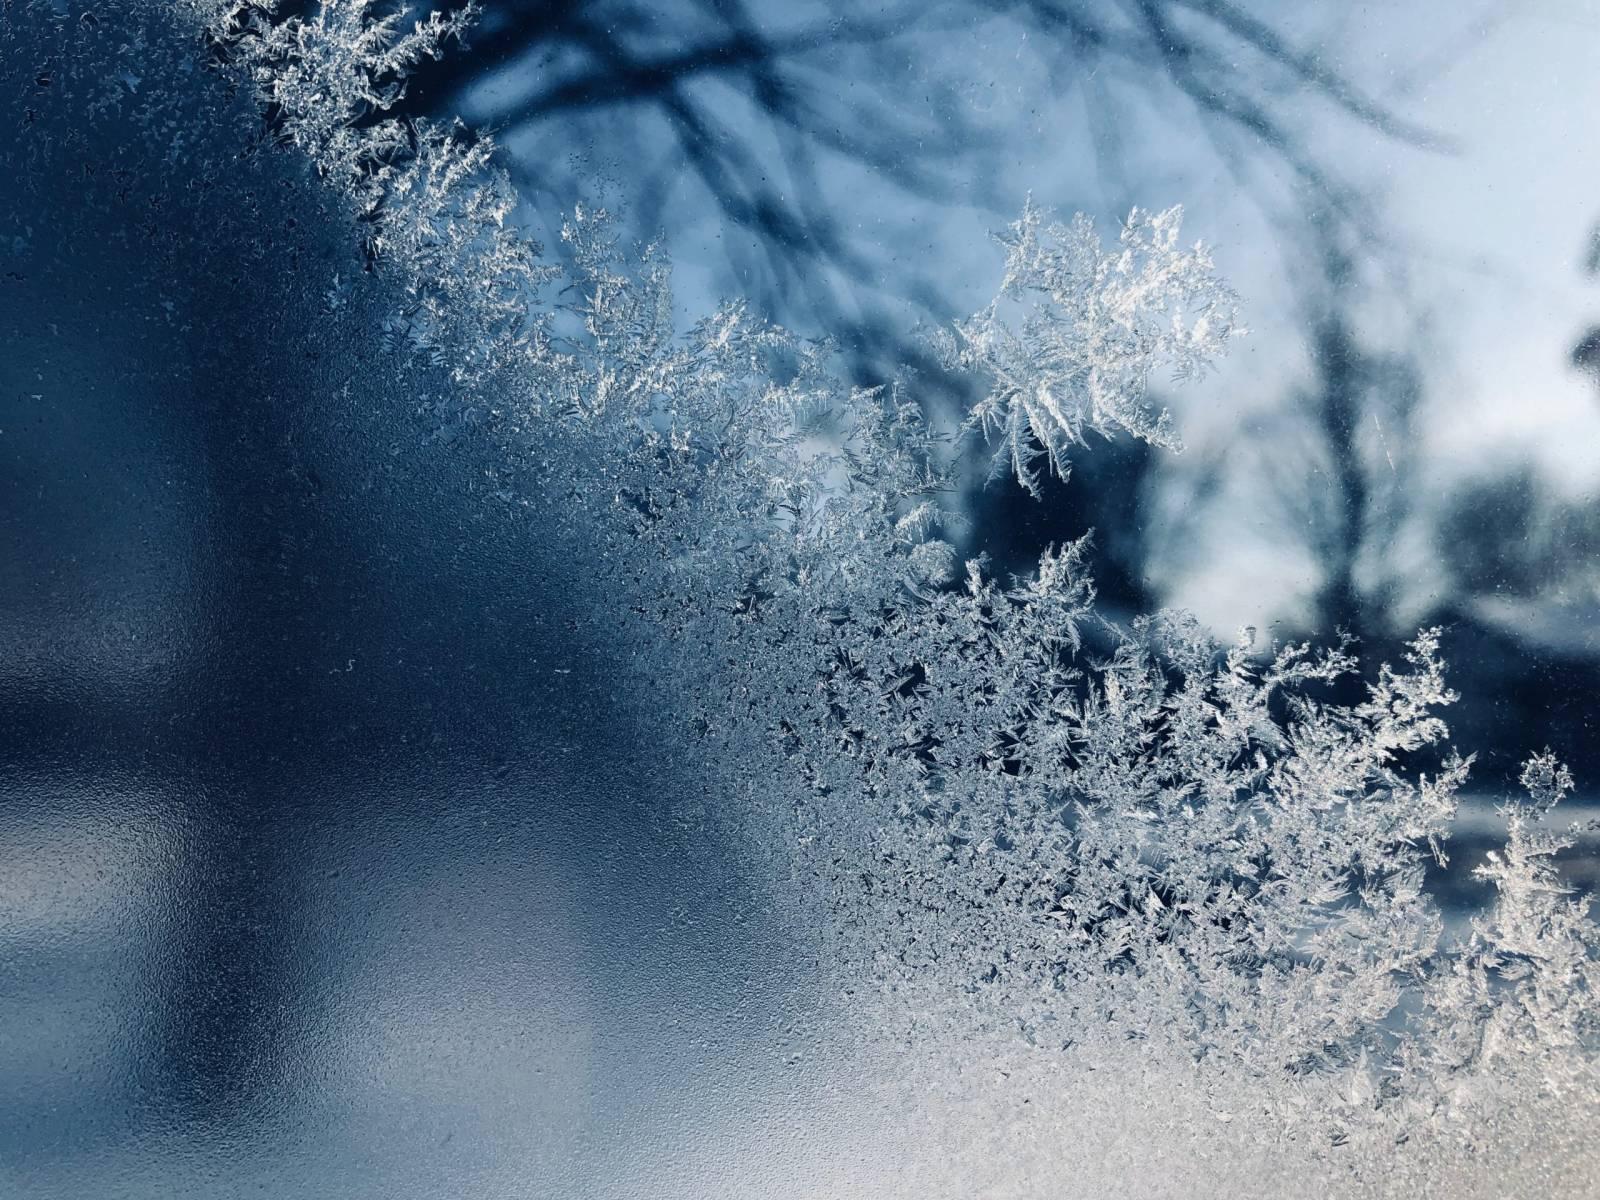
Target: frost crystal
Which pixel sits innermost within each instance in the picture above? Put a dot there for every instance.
(1130, 849)
(1095, 325)
(430, 200)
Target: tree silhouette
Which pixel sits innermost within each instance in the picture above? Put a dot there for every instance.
(771, 116)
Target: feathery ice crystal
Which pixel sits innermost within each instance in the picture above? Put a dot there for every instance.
(1132, 845)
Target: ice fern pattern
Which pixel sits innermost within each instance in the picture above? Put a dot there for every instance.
(1077, 331)
(429, 199)
(1118, 846)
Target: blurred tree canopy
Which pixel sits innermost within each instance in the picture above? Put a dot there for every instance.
(810, 143)
(772, 117)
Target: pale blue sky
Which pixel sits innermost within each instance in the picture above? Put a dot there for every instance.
(1490, 234)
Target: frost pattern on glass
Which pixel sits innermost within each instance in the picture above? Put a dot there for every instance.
(1096, 325)
(1175, 859)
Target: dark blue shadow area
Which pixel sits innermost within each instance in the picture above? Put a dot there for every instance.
(339, 854)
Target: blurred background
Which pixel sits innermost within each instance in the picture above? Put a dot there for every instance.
(1405, 195)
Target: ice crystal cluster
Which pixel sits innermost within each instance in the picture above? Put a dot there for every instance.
(1096, 325)
(1166, 894)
